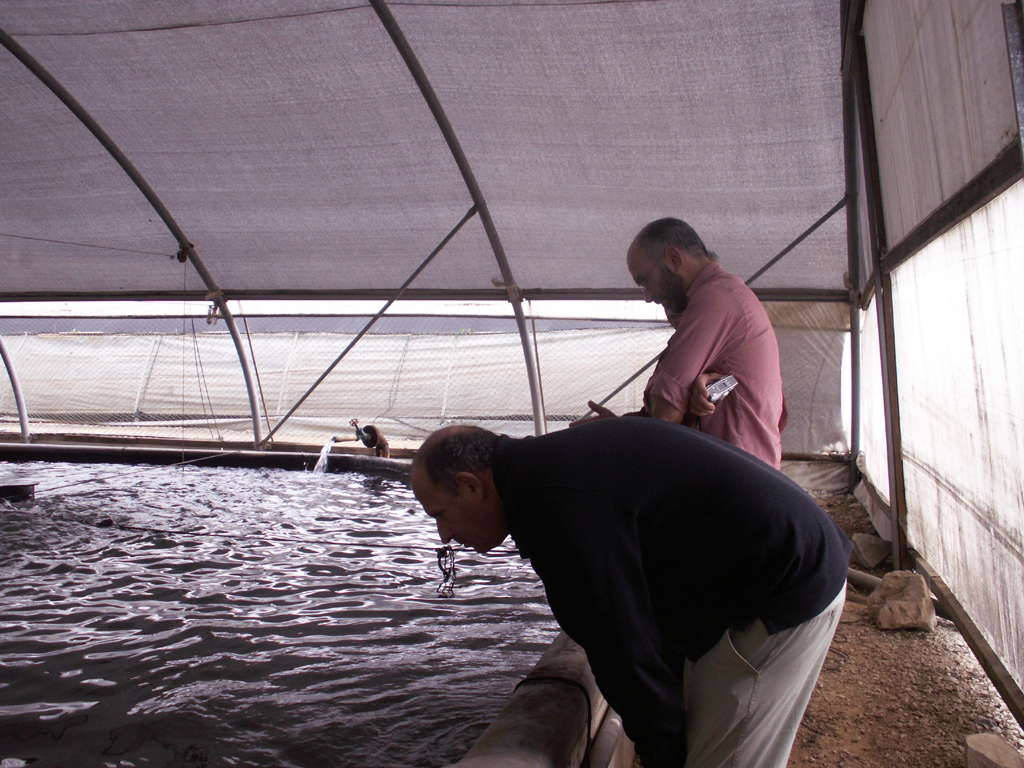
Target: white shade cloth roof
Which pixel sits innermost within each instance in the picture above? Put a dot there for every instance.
(291, 144)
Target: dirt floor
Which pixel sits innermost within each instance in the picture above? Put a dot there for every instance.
(891, 698)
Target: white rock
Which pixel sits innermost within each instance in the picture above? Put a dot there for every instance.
(870, 550)
(987, 750)
(902, 601)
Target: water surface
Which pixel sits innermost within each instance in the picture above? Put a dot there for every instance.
(188, 616)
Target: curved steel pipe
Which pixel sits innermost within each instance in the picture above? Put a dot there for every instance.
(186, 249)
(19, 398)
(508, 281)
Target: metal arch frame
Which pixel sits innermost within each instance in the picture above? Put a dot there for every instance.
(883, 303)
(19, 398)
(186, 249)
(508, 281)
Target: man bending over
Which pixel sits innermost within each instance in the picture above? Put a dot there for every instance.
(662, 550)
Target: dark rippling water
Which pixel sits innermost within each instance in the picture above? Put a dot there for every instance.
(154, 616)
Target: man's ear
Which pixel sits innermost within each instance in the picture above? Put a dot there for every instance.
(470, 483)
(674, 259)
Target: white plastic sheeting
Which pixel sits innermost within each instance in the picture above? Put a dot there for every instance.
(941, 97)
(813, 340)
(958, 317)
(872, 406)
(943, 112)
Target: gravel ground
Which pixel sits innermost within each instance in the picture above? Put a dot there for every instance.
(889, 698)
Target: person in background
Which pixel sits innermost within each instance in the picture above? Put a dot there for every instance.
(667, 556)
(721, 329)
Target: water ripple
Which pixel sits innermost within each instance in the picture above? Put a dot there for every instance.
(203, 617)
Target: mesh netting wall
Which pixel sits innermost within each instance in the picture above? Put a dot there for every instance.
(180, 377)
(165, 377)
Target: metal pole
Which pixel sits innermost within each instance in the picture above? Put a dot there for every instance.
(373, 320)
(853, 265)
(803, 236)
(1013, 20)
(883, 306)
(855, 393)
(536, 352)
(508, 281)
(19, 398)
(186, 249)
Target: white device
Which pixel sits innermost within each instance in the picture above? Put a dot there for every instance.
(721, 388)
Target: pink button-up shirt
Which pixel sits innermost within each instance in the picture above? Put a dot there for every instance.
(726, 330)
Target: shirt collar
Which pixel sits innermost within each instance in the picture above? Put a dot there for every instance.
(710, 271)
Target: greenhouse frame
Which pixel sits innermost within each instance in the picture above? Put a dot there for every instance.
(245, 224)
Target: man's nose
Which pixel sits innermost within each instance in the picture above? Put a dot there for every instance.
(648, 295)
(443, 532)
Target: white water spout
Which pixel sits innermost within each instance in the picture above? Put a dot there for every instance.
(321, 464)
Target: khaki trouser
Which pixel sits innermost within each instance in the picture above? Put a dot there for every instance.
(745, 697)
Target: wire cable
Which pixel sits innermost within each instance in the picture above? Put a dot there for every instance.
(256, 370)
(203, 386)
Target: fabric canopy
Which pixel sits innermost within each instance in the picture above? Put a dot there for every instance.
(292, 145)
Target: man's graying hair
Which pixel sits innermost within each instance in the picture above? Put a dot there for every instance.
(671, 232)
(468, 449)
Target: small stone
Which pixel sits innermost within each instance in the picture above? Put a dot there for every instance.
(869, 550)
(902, 601)
(988, 750)
(853, 612)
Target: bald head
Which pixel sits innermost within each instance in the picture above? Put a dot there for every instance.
(675, 232)
(455, 449)
(664, 259)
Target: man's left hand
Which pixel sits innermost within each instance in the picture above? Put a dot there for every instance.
(700, 403)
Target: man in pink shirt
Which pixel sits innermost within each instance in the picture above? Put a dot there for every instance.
(721, 329)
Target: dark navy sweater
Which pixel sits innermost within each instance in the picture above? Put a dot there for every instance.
(652, 540)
